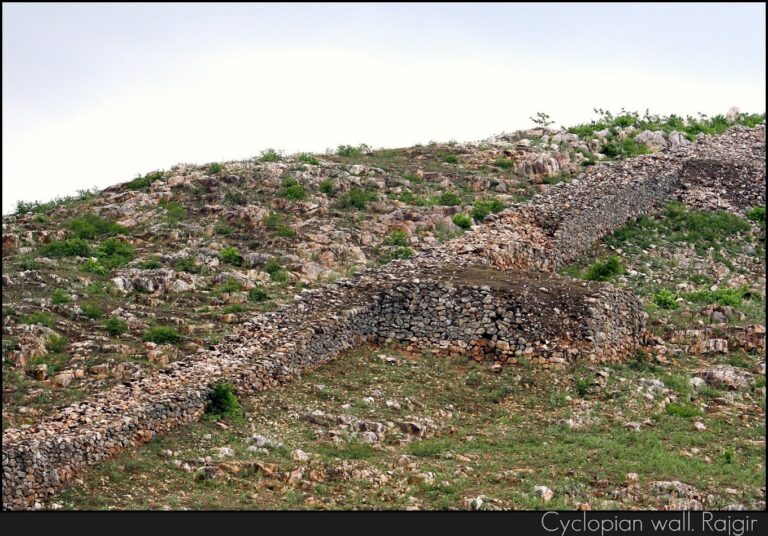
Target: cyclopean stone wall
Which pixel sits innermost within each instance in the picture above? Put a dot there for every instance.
(489, 294)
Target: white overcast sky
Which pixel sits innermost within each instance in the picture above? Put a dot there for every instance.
(95, 93)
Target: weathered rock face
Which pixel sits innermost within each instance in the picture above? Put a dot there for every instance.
(453, 297)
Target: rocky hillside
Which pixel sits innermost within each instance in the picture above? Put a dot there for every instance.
(108, 286)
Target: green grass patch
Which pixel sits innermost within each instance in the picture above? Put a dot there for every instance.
(161, 335)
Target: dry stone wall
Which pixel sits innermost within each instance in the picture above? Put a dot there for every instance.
(489, 294)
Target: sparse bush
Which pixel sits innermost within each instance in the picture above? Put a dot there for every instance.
(449, 199)
(150, 263)
(233, 309)
(724, 296)
(223, 402)
(448, 158)
(93, 266)
(231, 255)
(274, 221)
(142, 183)
(504, 163)
(356, 198)
(215, 168)
(59, 297)
(397, 238)
(462, 220)
(626, 148)
(45, 319)
(604, 270)
(308, 158)
(115, 327)
(174, 212)
(161, 335)
(327, 187)
(398, 252)
(56, 344)
(186, 264)
(72, 247)
(665, 299)
(484, 207)
(542, 119)
(113, 253)
(350, 150)
(276, 270)
(230, 284)
(258, 294)
(90, 226)
(91, 311)
(757, 214)
(270, 155)
(233, 196)
(223, 228)
(292, 189)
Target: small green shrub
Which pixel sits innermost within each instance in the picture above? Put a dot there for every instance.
(447, 157)
(397, 238)
(186, 264)
(327, 187)
(666, 299)
(351, 151)
(230, 284)
(357, 198)
(398, 252)
(215, 168)
(223, 228)
(91, 311)
(449, 199)
(113, 253)
(757, 214)
(462, 220)
(292, 189)
(93, 266)
(45, 319)
(72, 247)
(59, 297)
(270, 155)
(161, 335)
(115, 327)
(151, 263)
(626, 148)
(582, 386)
(274, 221)
(233, 309)
(307, 158)
(90, 226)
(56, 344)
(174, 212)
(484, 207)
(258, 294)
(142, 183)
(276, 270)
(604, 270)
(233, 196)
(504, 163)
(223, 402)
(231, 255)
(723, 296)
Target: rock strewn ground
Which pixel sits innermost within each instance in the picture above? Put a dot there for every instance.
(33, 469)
